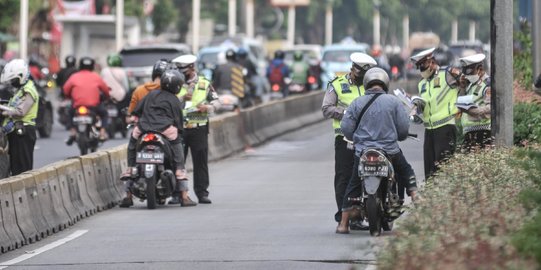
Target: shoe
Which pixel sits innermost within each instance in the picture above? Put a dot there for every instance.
(358, 225)
(187, 202)
(205, 200)
(174, 200)
(126, 202)
(339, 231)
(127, 175)
(70, 140)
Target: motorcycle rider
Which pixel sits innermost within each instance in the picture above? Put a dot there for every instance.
(278, 71)
(64, 74)
(200, 99)
(138, 95)
(20, 115)
(251, 78)
(341, 91)
(476, 120)
(230, 76)
(299, 70)
(384, 123)
(116, 78)
(84, 88)
(438, 106)
(161, 111)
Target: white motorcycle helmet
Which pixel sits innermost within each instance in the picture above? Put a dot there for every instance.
(16, 73)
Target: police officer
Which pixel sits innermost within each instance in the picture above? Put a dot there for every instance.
(476, 120)
(200, 100)
(439, 110)
(20, 116)
(341, 91)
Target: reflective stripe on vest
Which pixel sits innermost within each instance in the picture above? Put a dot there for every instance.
(470, 123)
(29, 119)
(346, 93)
(440, 101)
(199, 96)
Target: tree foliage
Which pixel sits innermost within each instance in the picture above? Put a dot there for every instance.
(162, 15)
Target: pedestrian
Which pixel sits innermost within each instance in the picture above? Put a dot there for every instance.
(437, 103)
(476, 119)
(376, 120)
(200, 100)
(341, 91)
(20, 115)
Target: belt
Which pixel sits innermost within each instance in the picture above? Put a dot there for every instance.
(194, 125)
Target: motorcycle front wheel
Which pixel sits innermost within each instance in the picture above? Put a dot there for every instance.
(151, 192)
(374, 214)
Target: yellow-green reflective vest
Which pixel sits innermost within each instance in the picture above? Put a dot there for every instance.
(346, 93)
(440, 100)
(199, 96)
(470, 123)
(29, 119)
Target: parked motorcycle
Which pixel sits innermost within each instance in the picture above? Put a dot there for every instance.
(88, 129)
(154, 164)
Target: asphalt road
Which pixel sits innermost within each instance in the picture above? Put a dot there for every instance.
(272, 209)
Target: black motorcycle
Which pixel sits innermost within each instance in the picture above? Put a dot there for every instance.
(117, 120)
(88, 127)
(154, 160)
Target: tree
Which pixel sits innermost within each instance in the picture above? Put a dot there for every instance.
(162, 15)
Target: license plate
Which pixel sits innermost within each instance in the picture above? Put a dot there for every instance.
(112, 112)
(375, 170)
(82, 120)
(143, 157)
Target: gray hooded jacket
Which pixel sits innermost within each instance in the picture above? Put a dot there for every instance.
(384, 123)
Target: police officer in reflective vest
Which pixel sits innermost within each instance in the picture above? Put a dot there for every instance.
(476, 120)
(20, 115)
(200, 100)
(341, 91)
(438, 108)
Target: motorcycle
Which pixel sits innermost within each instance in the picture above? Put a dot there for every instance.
(154, 163)
(380, 202)
(63, 112)
(88, 129)
(4, 148)
(228, 101)
(117, 120)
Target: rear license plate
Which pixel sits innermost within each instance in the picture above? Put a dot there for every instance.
(143, 157)
(112, 112)
(82, 120)
(375, 170)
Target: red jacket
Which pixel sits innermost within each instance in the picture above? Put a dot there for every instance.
(83, 88)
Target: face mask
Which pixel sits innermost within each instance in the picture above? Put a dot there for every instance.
(472, 78)
(426, 73)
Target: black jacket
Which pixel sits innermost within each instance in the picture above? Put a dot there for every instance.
(159, 110)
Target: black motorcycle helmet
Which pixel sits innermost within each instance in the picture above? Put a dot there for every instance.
(242, 53)
(159, 67)
(279, 54)
(171, 81)
(230, 54)
(86, 63)
(70, 61)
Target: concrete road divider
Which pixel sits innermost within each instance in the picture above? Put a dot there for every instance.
(50, 198)
(104, 177)
(22, 209)
(35, 207)
(93, 186)
(9, 218)
(63, 183)
(71, 172)
(119, 163)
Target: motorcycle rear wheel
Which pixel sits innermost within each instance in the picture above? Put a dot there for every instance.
(82, 142)
(374, 214)
(151, 192)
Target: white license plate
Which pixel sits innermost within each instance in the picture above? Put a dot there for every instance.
(375, 170)
(112, 112)
(82, 120)
(143, 157)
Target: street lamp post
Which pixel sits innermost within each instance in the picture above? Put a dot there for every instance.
(119, 31)
(23, 30)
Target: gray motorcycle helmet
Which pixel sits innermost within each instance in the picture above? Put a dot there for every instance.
(375, 76)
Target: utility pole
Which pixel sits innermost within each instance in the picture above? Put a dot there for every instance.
(405, 31)
(196, 11)
(232, 17)
(454, 31)
(376, 26)
(291, 25)
(119, 30)
(472, 30)
(536, 37)
(501, 40)
(23, 30)
(250, 18)
(328, 23)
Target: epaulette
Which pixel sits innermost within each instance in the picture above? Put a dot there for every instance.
(334, 79)
(201, 85)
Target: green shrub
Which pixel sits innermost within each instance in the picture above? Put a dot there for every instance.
(522, 59)
(466, 220)
(527, 123)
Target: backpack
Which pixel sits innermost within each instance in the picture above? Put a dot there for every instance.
(276, 75)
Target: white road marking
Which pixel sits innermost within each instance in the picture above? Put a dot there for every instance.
(30, 254)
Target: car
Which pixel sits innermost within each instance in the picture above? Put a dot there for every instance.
(138, 60)
(208, 58)
(463, 48)
(335, 60)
